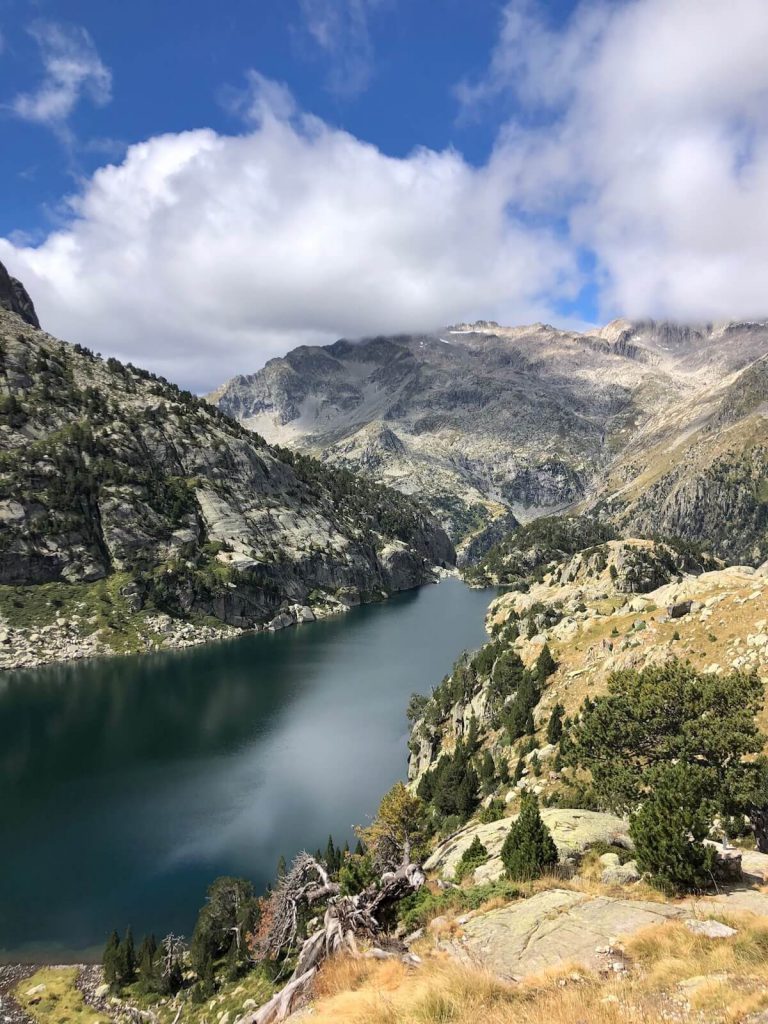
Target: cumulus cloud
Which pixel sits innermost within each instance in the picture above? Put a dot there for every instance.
(645, 126)
(640, 138)
(201, 255)
(341, 30)
(72, 70)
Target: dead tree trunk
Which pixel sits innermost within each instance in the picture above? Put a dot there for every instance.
(347, 920)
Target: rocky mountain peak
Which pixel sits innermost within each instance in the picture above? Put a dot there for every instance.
(14, 297)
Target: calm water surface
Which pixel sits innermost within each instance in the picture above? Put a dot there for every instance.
(127, 785)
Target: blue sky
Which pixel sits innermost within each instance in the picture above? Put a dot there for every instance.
(201, 191)
(172, 73)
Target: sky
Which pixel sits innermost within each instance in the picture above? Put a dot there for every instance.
(200, 187)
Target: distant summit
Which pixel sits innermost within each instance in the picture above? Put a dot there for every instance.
(14, 297)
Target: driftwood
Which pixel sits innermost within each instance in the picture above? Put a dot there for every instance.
(347, 920)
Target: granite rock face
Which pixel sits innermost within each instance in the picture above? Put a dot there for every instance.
(14, 297)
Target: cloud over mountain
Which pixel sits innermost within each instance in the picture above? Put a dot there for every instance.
(632, 158)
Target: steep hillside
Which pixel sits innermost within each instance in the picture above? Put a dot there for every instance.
(624, 604)
(124, 498)
(698, 471)
(484, 420)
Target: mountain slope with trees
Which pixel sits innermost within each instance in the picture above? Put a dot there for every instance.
(124, 494)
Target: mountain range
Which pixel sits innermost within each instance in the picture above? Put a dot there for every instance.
(657, 427)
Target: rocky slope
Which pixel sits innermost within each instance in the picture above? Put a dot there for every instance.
(622, 604)
(485, 420)
(123, 499)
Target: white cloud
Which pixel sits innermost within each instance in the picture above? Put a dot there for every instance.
(642, 138)
(72, 70)
(655, 146)
(340, 28)
(201, 255)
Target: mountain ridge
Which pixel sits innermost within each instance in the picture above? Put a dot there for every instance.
(484, 420)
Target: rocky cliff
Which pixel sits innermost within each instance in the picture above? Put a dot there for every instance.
(110, 475)
(483, 421)
(14, 297)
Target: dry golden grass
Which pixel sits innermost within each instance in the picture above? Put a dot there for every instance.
(723, 980)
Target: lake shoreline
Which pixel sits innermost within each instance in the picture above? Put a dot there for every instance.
(33, 647)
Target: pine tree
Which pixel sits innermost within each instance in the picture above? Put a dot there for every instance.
(669, 829)
(545, 664)
(519, 768)
(282, 867)
(487, 771)
(555, 724)
(472, 742)
(530, 725)
(110, 961)
(331, 856)
(529, 848)
(475, 855)
(127, 959)
(146, 958)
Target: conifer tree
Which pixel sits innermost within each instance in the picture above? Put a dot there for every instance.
(331, 856)
(487, 771)
(110, 961)
(529, 848)
(555, 724)
(545, 664)
(471, 743)
(127, 959)
(282, 867)
(670, 827)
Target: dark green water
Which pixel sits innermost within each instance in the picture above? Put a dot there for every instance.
(127, 785)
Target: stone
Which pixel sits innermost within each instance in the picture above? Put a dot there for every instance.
(710, 929)
(677, 611)
(698, 981)
(101, 991)
(621, 874)
(551, 928)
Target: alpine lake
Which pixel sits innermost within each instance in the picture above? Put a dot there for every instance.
(128, 784)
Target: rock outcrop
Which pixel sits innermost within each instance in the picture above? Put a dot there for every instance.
(14, 297)
(574, 832)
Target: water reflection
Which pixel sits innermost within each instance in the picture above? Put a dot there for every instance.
(126, 785)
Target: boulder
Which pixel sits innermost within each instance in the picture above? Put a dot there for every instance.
(710, 929)
(620, 874)
(677, 611)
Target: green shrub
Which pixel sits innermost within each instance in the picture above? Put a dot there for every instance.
(418, 909)
(475, 855)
